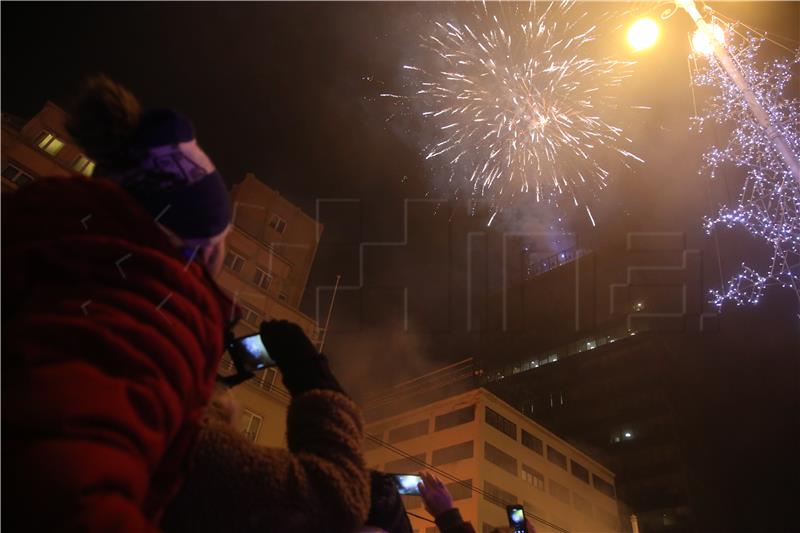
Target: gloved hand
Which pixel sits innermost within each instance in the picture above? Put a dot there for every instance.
(302, 367)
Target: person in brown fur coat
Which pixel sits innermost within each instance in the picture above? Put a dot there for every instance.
(320, 483)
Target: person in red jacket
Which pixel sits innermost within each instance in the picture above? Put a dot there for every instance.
(112, 324)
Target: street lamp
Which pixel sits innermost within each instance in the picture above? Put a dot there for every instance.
(702, 45)
(643, 34)
(720, 52)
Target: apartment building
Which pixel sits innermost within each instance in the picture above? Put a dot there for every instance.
(39, 147)
(490, 455)
(270, 251)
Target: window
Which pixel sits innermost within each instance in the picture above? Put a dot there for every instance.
(262, 278)
(494, 494)
(408, 431)
(457, 452)
(277, 223)
(581, 504)
(559, 492)
(406, 464)
(49, 143)
(533, 477)
(454, 418)
(534, 443)
(460, 490)
(250, 424)
(500, 458)
(579, 471)
(556, 457)
(84, 165)
(498, 421)
(250, 316)
(603, 486)
(16, 175)
(234, 261)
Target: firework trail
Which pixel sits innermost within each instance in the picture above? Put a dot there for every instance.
(518, 105)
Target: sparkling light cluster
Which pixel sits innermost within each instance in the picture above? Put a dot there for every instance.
(768, 205)
(518, 105)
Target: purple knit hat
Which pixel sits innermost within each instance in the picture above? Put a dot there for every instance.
(174, 179)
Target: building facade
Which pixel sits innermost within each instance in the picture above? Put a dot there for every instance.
(39, 147)
(490, 455)
(270, 251)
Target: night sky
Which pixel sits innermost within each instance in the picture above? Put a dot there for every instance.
(289, 92)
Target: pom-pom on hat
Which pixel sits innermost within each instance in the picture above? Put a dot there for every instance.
(154, 155)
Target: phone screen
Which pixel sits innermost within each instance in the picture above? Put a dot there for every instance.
(516, 518)
(253, 351)
(407, 483)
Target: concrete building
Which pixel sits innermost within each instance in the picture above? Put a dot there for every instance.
(490, 455)
(39, 147)
(270, 251)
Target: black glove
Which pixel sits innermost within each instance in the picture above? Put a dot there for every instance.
(302, 367)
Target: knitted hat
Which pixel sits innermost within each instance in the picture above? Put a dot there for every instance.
(153, 155)
(174, 179)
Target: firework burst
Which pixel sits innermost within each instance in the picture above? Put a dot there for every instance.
(518, 105)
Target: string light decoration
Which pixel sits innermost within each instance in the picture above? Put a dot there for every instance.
(768, 204)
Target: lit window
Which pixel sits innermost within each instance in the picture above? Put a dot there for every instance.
(234, 261)
(84, 165)
(16, 175)
(251, 316)
(250, 424)
(49, 143)
(262, 278)
(277, 223)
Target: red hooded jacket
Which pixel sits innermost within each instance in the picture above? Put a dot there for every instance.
(110, 346)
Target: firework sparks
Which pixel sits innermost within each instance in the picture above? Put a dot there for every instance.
(518, 105)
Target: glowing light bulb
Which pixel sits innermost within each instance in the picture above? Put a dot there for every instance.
(700, 42)
(643, 34)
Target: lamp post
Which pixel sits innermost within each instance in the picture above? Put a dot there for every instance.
(777, 139)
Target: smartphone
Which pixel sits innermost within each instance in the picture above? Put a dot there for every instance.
(250, 353)
(407, 484)
(516, 518)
